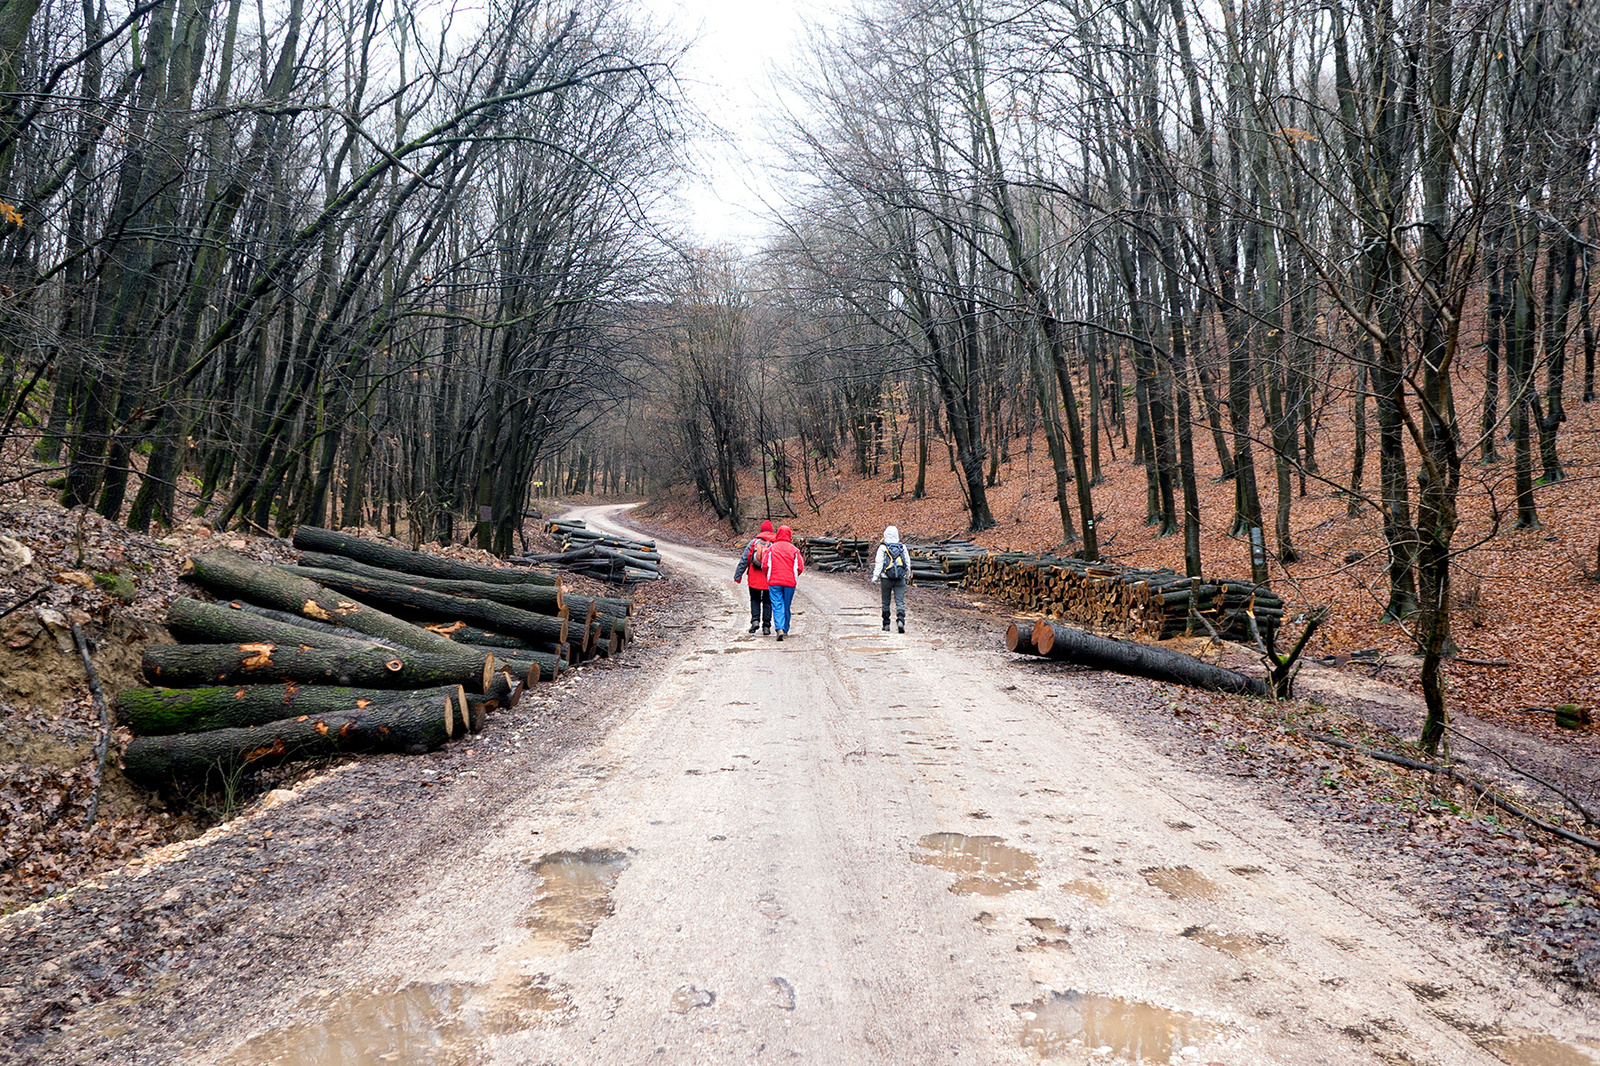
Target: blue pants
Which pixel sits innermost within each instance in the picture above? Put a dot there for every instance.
(782, 597)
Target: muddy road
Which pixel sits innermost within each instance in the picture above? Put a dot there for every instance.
(860, 847)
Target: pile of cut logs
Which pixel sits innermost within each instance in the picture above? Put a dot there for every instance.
(362, 647)
(593, 554)
(1155, 603)
(944, 563)
(834, 555)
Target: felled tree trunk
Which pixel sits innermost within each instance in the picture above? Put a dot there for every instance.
(414, 727)
(225, 623)
(497, 616)
(265, 663)
(285, 588)
(1019, 638)
(539, 599)
(313, 539)
(1139, 660)
(164, 711)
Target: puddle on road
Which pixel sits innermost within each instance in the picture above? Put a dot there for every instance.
(990, 868)
(1133, 1031)
(575, 896)
(424, 1024)
(1236, 944)
(1517, 1047)
(689, 997)
(1534, 1050)
(1181, 882)
(1088, 889)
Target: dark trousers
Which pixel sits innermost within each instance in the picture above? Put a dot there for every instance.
(897, 590)
(761, 608)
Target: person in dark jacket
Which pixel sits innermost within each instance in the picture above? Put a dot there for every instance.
(750, 563)
(785, 564)
(892, 566)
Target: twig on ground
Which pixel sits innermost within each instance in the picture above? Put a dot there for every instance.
(24, 601)
(1583, 812)
(1457, 775)
(102, 748)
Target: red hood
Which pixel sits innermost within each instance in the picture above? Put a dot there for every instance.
(785, 534)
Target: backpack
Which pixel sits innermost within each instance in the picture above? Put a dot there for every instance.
(758, 554)
(898, 564)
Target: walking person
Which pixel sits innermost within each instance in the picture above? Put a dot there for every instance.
(785, 564)
(891, 572)
(750, 562)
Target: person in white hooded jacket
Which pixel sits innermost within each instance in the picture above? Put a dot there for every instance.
(891, 572)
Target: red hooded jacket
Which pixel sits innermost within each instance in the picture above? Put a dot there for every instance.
(785, 564)
(757, 578)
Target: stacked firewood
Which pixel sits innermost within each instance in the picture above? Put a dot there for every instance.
(363, 646)
(835, 555)
(941, 563)
(1155, 603)
(599, 555)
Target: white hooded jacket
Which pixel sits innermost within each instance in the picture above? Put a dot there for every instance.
(891, 537)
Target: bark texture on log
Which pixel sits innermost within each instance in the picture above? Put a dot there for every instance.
(1140, 660)
(163, 711)
(264, 663)
(285, 588)
(223, 623)
(309, 623)
(414, 726)
(462, 633)
(312, 538)
(540, 599)
(438, 605)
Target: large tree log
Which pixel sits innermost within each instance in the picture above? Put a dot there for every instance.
(549, 664)
(1019, 638)
(310, 623)
(163, 711)
(462, 633)
(438, 605)
(311, 538)
(225, 623)
(231, 574)
(578, 606)
(264, 663)
(414, 727)
(1140, 660)
(540, 599)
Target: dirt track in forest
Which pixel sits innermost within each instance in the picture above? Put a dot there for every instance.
(850, 847)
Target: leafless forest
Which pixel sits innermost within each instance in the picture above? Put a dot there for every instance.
(340, 263)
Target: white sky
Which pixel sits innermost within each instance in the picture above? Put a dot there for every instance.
(728, 75)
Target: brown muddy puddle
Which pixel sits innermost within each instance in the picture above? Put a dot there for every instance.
(1124, 1029)
(988, 867)
(1181, 882)
(575, 895)
(1236, 944)
(1087, 889)
(1535, 1050)
(422, 1024)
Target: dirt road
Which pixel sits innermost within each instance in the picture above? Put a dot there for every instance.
(859, 847)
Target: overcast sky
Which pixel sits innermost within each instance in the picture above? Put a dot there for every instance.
(728, 75)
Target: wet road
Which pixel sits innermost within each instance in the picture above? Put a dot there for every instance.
(859, 847)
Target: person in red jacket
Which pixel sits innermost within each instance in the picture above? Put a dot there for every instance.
(784, 566)
(750, 562)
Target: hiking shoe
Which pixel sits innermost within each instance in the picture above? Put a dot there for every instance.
(780, 636)
(902, 625)
(886, 623)
(754, 626)
(766, 631)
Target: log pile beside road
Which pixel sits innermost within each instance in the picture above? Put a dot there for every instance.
(941, 563)
(588, 552)
(362, 647)
(1154, 603)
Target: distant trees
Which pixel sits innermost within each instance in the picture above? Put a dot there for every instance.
(321, 263)
(1254, 218)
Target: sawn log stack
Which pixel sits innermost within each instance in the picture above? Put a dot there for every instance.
(362, 647)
